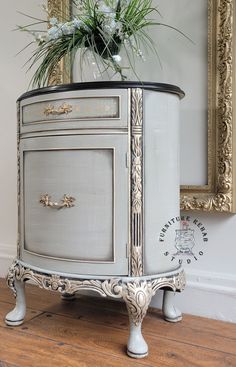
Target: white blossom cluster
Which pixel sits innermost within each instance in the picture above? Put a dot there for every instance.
(109, 24)
(59, 29)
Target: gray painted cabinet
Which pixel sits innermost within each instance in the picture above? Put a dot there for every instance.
(98, 178)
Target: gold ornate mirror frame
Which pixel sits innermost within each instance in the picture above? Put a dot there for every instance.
(220, 192)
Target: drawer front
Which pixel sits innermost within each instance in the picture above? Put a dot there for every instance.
(74, 215)
(66, 110)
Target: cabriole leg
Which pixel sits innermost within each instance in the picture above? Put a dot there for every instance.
(17, 315)
(171, 313)
(137, 296)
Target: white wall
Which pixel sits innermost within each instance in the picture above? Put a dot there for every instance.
(211, 289)
(14, 82)
(211, 281)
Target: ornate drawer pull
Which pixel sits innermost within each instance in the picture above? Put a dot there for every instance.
(64, 108)
(66, 202)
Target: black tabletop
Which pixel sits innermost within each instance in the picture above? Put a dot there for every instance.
(158, 87)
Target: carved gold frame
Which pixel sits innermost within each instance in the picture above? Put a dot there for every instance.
(220, 192)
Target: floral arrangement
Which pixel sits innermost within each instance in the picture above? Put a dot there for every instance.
(101, 26)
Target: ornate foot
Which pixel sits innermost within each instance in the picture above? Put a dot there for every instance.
(136, 346)
(68, 297)
(171, 313)
(17, 315)
(137, 296)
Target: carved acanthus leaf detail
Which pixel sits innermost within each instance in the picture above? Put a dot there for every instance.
(137, 261)
(136, 182)
(137, 296)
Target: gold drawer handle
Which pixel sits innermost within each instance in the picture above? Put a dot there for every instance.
(63, 109)
(66, 202)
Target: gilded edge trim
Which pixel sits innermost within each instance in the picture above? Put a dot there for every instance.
(136, 180)
(136, 293)
(220, 195)
(62, 73)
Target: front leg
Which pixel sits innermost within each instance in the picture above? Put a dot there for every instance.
(17, 315)
(137, 296)
(171, 313)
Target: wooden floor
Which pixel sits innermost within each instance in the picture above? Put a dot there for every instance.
(93, 332)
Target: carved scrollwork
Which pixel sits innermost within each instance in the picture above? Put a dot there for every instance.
(176, 283)
(137, 296)
(221, 197)
(225, 101)
(136, 182)
(54, 282)
(219, 202)
(137, 293)
(11, 276)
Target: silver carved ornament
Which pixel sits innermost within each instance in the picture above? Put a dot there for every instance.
(136, 293)
(136, 182)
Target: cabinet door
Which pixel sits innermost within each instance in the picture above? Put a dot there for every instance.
(91, 236)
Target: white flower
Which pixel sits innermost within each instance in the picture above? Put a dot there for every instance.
(77, 23)
(103, 8)
(53, 21)
(67, 28)
(54, 33)
(109, 25)
(116, 58)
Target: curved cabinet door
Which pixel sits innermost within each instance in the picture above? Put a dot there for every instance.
(74, 203)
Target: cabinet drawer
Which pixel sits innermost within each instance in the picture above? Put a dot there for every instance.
(70, 110)
(87, 233)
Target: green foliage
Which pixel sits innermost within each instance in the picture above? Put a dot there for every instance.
(103, 27)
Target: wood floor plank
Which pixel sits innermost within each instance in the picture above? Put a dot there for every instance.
(154, 325)
(227, 329)
(46, 302)
(93, 332)
(198, 331)
(33, 351)
(87, 335)
(185, 332)
(5, 364)
(212, 338)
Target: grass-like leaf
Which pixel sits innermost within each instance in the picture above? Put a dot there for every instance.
(103, 27)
